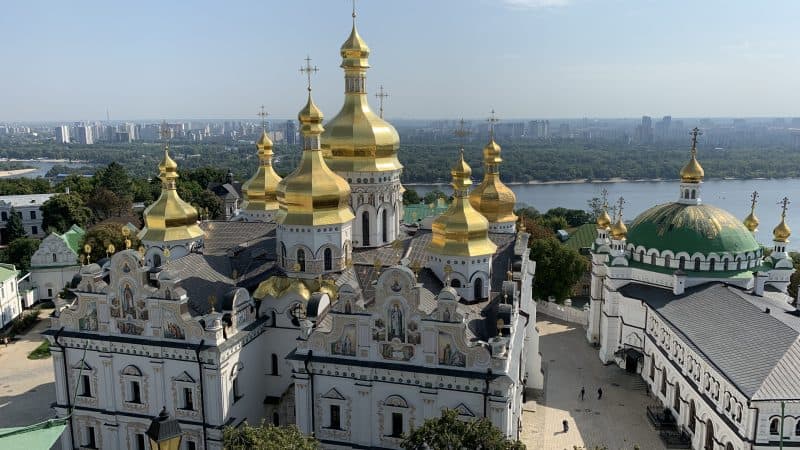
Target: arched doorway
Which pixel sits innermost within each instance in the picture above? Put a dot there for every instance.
(676, 402)
(328, 257)
(692, 416)
(709, 435)
(301, 259)
(478, 288)
(365, 228)
(385, 226)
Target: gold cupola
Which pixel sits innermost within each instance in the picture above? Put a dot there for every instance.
(260, 191)
(169, 218)
(492, 197)
(619, 231)
(357, 139)
(603, 219)
(782, 232)
(461, 230)
(751, 221)
(313, 194)
(693, 172)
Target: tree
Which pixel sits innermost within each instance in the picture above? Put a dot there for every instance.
(102, 234)
(558, 268)
(448, 432)
(410, 197)
(794, 280)
(528, 212)
(573, 217)
(105, 203)
(266, 437)
(433, 195)
(115, 178)
(208, 201)
(14, 227)
(19, 253)
(61, 211)
(77, 184)
(554, 223)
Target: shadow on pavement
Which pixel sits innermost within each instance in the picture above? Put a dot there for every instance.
(27, 408)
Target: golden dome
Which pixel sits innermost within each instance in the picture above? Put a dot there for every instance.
(692, 172)
(782, 232)
(751, 222)
(356, 139)
(461, 230)
(603, 220)
(313, 194)
(169, 218)
(492, 197)
(619, 230)
(260, 191)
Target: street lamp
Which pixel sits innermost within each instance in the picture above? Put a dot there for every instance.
(164, 432)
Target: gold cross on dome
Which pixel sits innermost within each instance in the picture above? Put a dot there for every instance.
(308, 69)
(753, 200)
(354, 11)
(263, 114)
(492, 121)
(695, 132)
(381, 95)
(604, 197)
(784, 206)
(620, 204)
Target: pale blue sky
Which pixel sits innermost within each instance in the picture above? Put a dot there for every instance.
(437, 58)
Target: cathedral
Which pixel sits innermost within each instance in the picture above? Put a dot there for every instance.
(318, 307)
(687, 298)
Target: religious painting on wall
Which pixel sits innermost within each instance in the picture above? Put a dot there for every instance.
(89, 321)
(414, 336)
(116, 310)
(448, 353)
(379, 330)
(396, 327)
(171, 328)
(346, 345)
(130, 328)
(397, 352)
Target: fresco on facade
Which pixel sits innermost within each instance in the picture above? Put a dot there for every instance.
(397, 352)
(414, 336)
(379, 330)
(171, 328)
(89, 321)
(396, 326)
(448, 353)
(129, 328)
(346, 345)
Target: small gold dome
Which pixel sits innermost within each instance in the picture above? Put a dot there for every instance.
(692, 172)
(619, 230)
(354, 50)
(260, 191)
(313, 194)
(492, 197)
(603, 220)
(461, 230)
(751, 222)
(169, 218)
(782, 232)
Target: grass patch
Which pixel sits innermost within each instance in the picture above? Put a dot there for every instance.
(41, 352)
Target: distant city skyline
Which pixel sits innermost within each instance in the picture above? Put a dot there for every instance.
(444, 59)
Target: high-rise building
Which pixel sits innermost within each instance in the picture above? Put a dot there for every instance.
(291, 132)
(62, 134)
(85, 135)
(645, 131)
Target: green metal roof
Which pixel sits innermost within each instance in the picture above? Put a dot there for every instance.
(40, 436)
(582, 237)
(691, 228)
(73, 238)
(418, 212)
(7, 271)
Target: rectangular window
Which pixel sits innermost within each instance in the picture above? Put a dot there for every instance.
(33, 215)
(190, 445)
(188, 400)
(397, 424)
(86, 386)
(34, 230)
(49, 293)
(236, 393)
(91, 442)
(335, 417)
(4, 216)
(140, 445)
(136, 392)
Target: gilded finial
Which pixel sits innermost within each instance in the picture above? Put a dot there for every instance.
(751, 221)
(263, 114)
(510, 275)
(416, 267)
(492, 121)
(692, 172)
(212, 302)
(603, 219)
(308, 70)
(166, 252)
(141, 250)
(88, 250)
(448, 269)
(782, 232)
(110, 250)
(619, 230)
(354, 12)
(377, 267)
(381, 95)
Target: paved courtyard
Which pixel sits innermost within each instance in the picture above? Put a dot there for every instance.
(617, 421)
(27, 386)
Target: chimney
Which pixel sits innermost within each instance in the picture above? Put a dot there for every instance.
(760, 282)
(678, 282)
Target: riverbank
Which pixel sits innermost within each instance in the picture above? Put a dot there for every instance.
(610, 180)
(44, 160)
(15, 172)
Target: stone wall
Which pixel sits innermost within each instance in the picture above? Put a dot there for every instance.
(564, 312)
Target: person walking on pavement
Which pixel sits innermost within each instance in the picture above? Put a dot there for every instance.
(583, 392)
(565, 424)
(599, 393)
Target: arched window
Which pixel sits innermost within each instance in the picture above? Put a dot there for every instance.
(728, 446)
(725, 265)
(456, 283)
(641, 255)
(774, 426)
(797, 428)
(54, 257)
(712, 264)
(156, 260)
(385, 225)
(692, 415)
(652, 368)
(653, 259)
(667, 261)
(676, 402)
(283, 254)
(478, 288)
(664, 382)
(328, 257)
(301, 259)
(685, 193)
(694, 193)
(365, 228)
(697, 264)
(682, 263)
(709, 435)
(274, 360)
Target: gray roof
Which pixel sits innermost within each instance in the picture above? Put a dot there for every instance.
(732, 331)
(203, 276)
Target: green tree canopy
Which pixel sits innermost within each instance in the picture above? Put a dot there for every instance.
(433, 195)
(61, 211)
(410, 197)
(14, 227)
(448, 432)
(19, 253)
(102, 234)
(114, 178)
(77, 184)
(21, 186)
(558, 268)
(105, 204)
(573, 217)
(266, 437)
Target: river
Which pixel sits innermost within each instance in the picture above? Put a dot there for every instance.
(42, 167)
(731, 195)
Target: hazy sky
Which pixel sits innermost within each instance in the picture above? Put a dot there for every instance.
(437, 58)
